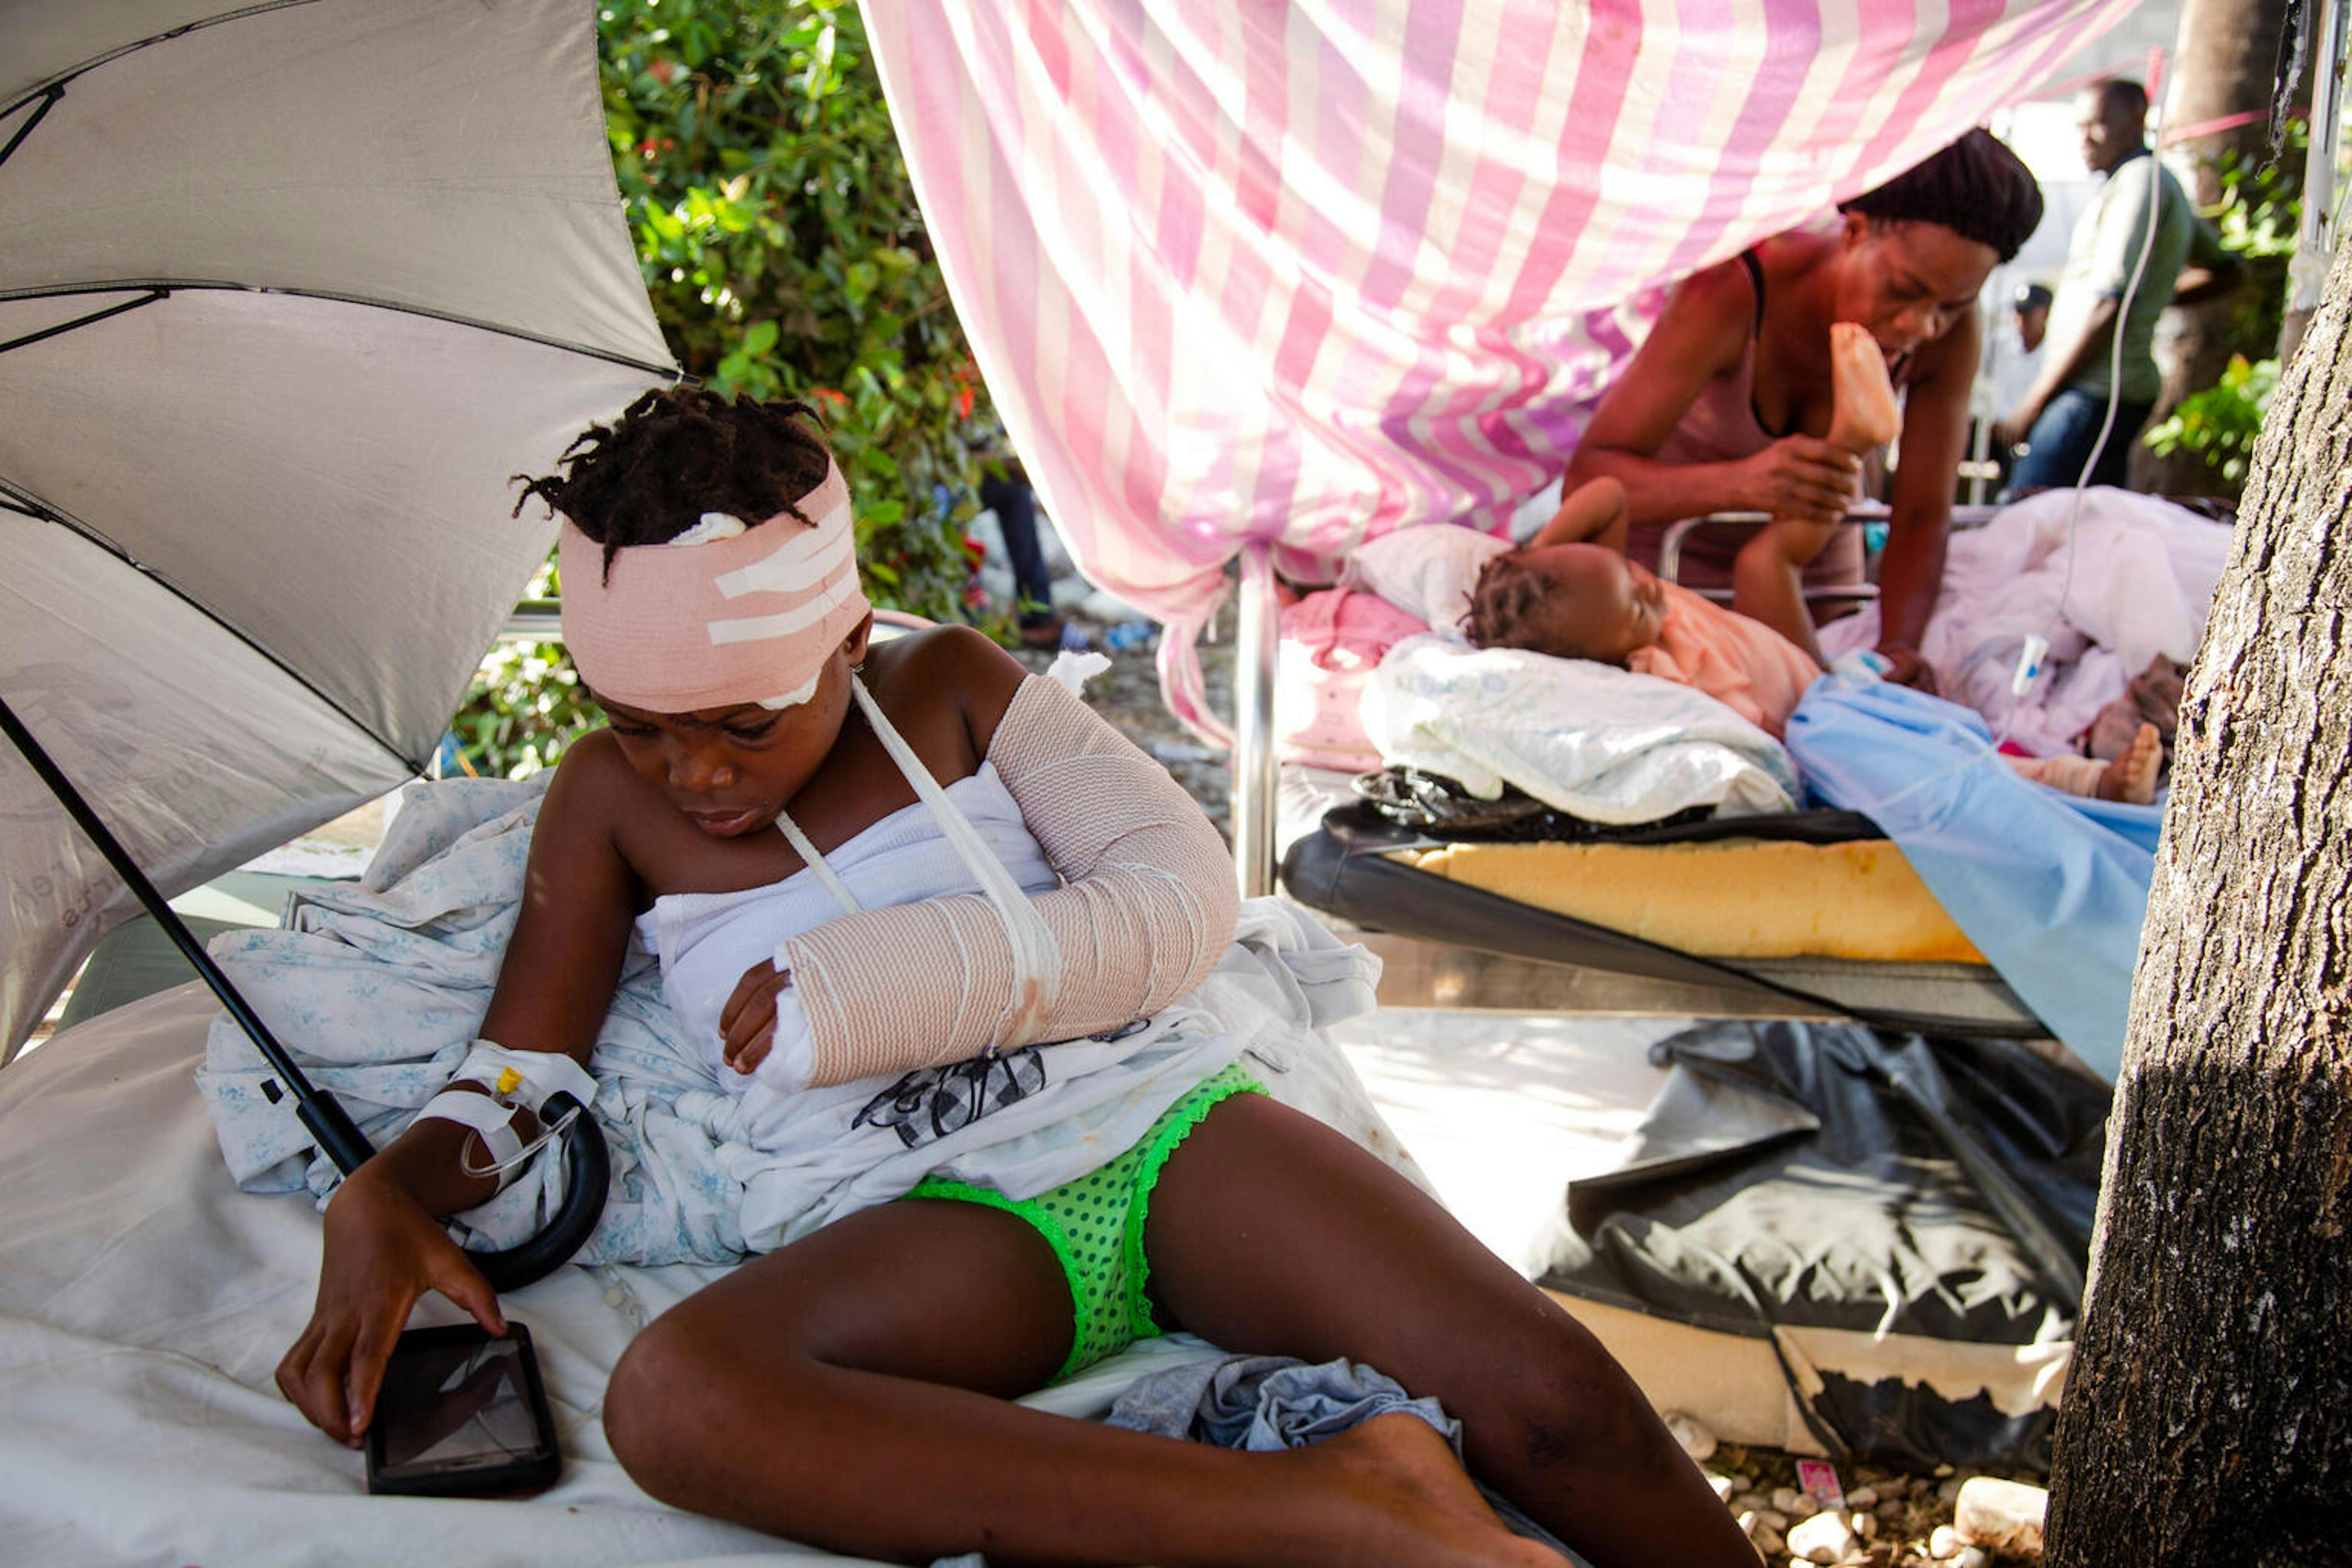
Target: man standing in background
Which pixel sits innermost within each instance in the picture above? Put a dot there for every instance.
(2058, 420)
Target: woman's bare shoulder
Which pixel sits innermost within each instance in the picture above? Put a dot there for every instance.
(1708, 320)
(1727, 289)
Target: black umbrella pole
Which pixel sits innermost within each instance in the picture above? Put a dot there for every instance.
(339, 1136)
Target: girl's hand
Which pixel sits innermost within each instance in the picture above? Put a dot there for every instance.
(747, 1023)
(1800, 479)
(382, 1251)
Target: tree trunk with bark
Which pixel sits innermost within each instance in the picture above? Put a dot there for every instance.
(2208, 1419)
(2225, 64)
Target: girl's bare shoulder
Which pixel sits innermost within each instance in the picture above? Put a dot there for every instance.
(945, 674)
(595, 790)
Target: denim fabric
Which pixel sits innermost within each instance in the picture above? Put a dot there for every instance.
(2063, 439)
(1266, 1404)
(1015, 506)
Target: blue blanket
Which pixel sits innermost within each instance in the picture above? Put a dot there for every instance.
(2053, 889)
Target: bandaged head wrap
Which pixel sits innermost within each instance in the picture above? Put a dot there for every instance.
(723, 613)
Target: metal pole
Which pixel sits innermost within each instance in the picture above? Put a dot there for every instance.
(2314, 242)
(339, 1136)
(1254, 776)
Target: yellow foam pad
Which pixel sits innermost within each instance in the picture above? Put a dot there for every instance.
(1737, 897)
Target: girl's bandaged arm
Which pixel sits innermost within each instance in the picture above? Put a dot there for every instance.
(1146, 912)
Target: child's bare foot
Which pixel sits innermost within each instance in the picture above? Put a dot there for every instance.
(1864, 412)
(1407, 1500)
(2131, 778)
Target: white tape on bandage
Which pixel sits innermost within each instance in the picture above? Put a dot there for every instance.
(491, 1121)
(542, 1074)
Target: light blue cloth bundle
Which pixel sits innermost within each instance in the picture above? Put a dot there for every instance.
(2052, 887)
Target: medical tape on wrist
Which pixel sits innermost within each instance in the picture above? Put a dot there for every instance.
(527, 1078)
(1036, 956)
(493, 1124)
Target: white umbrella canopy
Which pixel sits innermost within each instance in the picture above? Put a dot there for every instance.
(287, 293)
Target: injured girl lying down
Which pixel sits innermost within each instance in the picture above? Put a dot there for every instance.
(1571, 593)
(860, 862)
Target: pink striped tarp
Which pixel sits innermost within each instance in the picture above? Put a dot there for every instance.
(1255, 270)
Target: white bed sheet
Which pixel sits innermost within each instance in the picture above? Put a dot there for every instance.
(144, 1302)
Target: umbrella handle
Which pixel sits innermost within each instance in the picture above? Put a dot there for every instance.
(338, 1137)
(590, 1177)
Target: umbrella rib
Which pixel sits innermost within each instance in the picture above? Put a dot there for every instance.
(164, 286)
(48, 101)
(54, 88)
(21, 500)
(31, 338)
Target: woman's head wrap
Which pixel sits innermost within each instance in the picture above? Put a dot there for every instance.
(723, 613)
(1976, 187)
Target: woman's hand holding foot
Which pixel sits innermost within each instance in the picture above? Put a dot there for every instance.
(1802, 478)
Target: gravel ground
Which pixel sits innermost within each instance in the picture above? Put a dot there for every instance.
(1893, 1519)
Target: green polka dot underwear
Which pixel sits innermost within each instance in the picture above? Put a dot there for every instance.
(1095, 1224)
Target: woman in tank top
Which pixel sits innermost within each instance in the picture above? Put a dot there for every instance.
(1727, 404)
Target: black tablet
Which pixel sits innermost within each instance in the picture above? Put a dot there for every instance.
(462, 1414)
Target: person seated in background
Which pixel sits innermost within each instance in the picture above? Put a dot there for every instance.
(1728, 404)
(1571, 593)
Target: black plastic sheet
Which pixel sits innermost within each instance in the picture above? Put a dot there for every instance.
(1829, 1175)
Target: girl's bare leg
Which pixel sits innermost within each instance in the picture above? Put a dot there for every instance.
(850, 1391)
(1271, 1233)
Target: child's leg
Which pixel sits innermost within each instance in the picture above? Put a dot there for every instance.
(1768, 578)
(1269, 1232)
(2129, 778)
(850, 1391)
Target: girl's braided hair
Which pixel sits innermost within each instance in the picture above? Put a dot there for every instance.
(678, 453)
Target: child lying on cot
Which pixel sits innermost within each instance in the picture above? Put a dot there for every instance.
(1571, 593)
(1048, 883)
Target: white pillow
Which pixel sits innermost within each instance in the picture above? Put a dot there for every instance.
(1598, 743)
(1426, 570)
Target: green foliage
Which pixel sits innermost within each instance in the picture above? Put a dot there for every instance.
(2261, 198)
(2260, 209)
(786, 256)
(2220, 424)
(525, 704)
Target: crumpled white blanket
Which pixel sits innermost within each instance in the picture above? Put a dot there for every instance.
(143, 1305)
(2144, 573)
(1602, 744)
(379, 988)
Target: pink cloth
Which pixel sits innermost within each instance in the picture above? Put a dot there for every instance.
(1299, 275)
(750, 617)
(1742, 664)
(1331, 643)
